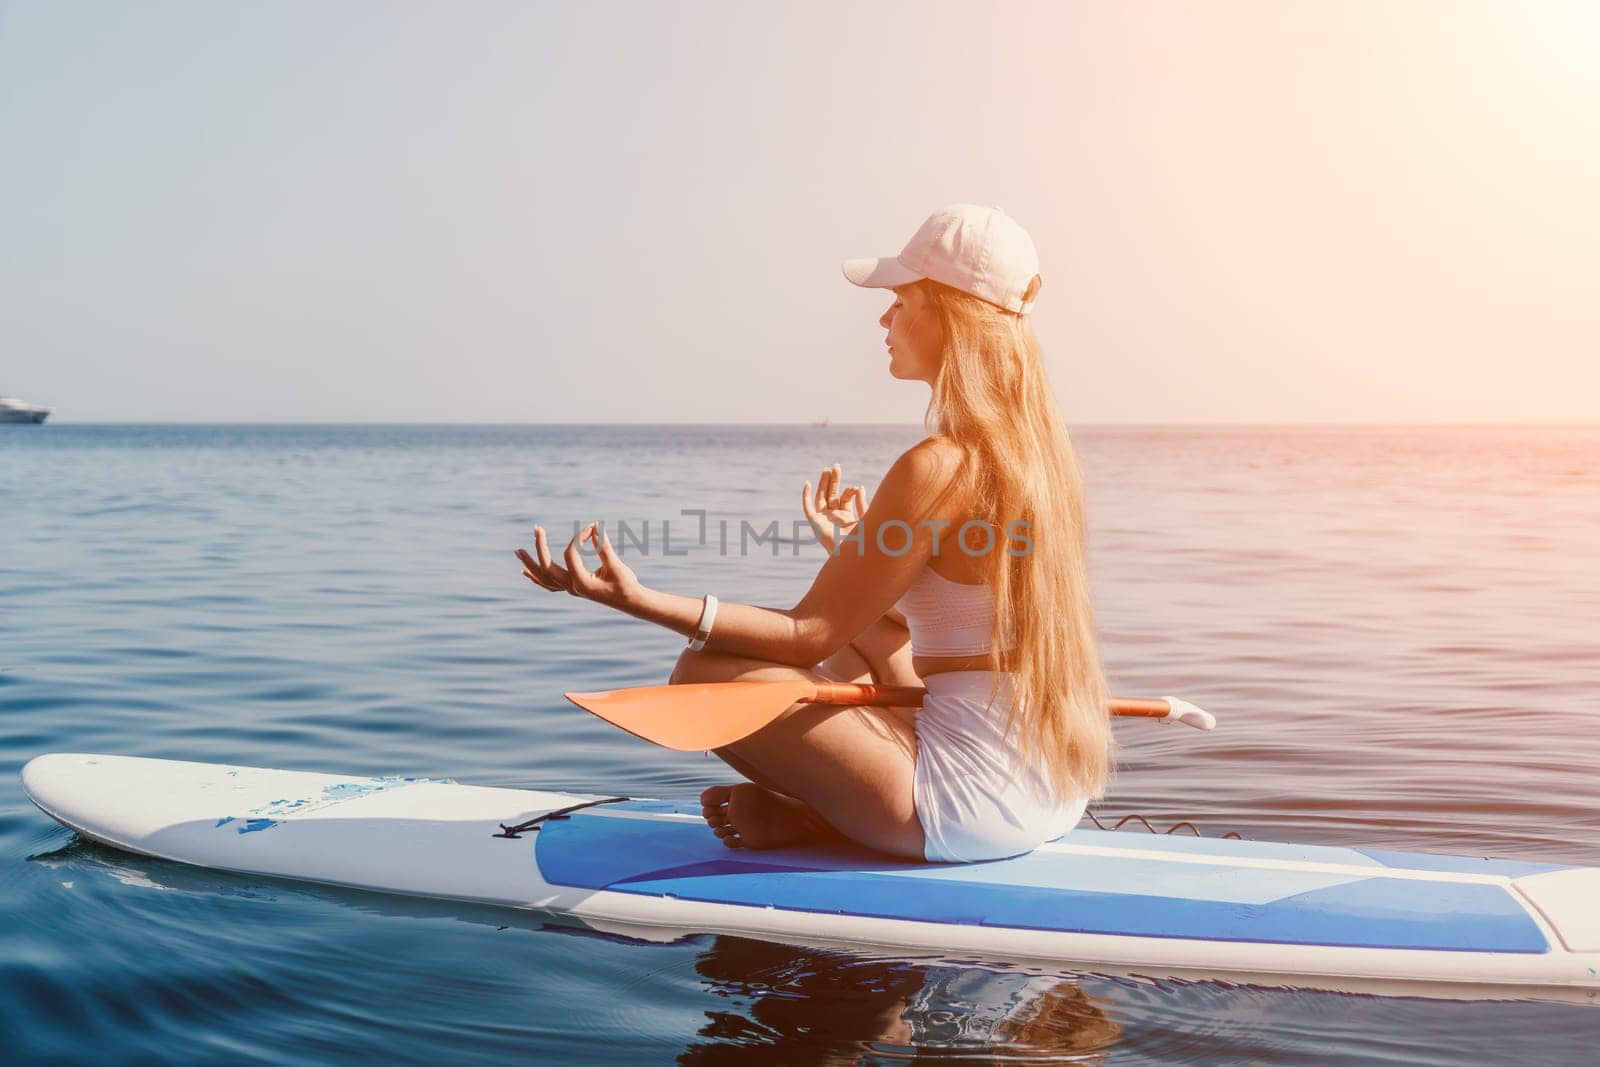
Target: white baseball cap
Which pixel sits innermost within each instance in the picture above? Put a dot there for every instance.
(976, 249)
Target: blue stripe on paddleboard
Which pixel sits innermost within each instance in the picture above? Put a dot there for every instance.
(1427, 861)
(1040, 891)
(665, 807)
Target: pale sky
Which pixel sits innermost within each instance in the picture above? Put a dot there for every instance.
(1269, 211)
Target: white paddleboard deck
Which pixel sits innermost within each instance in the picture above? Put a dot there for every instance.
(1275, 914)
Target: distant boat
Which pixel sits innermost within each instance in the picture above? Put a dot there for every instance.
(823, 422)
(14, 410)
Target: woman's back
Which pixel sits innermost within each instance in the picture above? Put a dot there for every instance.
(948, 617)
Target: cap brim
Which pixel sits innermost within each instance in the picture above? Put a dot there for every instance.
(875, 273)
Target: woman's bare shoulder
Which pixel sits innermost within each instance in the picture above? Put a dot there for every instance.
(928, 469)
(935, 452)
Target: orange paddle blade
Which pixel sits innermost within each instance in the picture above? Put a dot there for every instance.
(691, 718)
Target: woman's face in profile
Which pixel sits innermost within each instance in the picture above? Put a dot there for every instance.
(915, 341)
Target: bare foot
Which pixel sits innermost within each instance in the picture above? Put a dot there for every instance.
(748, 816)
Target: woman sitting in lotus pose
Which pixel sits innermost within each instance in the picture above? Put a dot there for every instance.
(965, 574)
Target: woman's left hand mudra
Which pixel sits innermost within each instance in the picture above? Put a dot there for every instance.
(831, 510)
(612, 583)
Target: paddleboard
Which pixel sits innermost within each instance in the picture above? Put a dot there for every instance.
(1113, 902)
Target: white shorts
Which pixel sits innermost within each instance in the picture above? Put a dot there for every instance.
(974, 797)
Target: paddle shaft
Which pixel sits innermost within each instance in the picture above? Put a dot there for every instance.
(910, 696)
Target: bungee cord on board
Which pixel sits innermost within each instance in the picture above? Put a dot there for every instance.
(1146, 823)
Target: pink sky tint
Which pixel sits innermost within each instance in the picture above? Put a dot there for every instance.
(1247, 210)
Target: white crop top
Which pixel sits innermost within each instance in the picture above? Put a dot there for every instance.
(947, 617)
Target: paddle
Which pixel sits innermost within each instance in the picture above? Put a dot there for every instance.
(705, 715)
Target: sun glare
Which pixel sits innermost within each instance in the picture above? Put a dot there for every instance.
(1566, 31)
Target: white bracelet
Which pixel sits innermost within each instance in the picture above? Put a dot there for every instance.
(702, 630)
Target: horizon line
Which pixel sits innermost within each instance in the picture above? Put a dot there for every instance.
(814, 424)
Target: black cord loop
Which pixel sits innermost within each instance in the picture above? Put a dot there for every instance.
(513, 833)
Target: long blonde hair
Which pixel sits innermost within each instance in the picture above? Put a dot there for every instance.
(991, 397)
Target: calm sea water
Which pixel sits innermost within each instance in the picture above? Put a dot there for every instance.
(1399, 629)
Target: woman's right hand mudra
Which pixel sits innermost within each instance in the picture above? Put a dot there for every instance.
(829, 508)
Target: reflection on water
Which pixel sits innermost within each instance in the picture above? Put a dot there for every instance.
(785, 1005)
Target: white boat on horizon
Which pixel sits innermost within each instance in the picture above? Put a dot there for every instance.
(14, 410)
